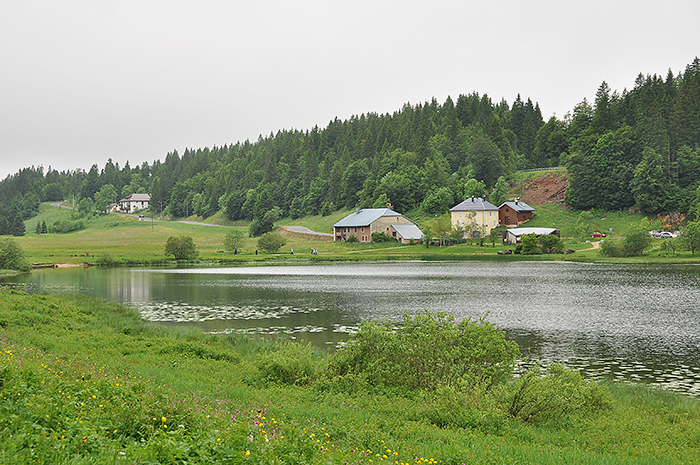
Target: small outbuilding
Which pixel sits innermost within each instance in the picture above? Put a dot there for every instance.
(513, 235)
(514, 213)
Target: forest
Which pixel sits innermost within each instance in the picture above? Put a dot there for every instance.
(638, 149)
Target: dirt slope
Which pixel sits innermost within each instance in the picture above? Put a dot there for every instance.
(548, 188)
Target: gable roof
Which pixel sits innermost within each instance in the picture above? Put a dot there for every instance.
(518, 206)
(517, 232)
(408, 231)
(474, 204)
(364, 217)
(137, 198)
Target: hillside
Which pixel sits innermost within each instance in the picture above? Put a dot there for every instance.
(540, 187)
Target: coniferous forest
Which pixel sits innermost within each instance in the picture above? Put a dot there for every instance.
(638, 149)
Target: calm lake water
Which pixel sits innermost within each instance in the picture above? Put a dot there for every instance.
(637, 323)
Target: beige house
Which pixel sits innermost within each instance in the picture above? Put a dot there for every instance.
(475, 215)
(363, 223)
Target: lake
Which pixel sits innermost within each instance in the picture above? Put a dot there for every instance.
(630, 322)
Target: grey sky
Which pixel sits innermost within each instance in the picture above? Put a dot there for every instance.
(87, 80)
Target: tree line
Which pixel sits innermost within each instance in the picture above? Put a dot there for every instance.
(638, 149)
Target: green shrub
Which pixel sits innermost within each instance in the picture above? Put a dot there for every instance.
(291, 364)
(427, 351)
(612, 248)
(105, 259)
(271, 242)
(66, 226)
(382, 237)
(233, 241)
(351, 240)
(181, 248)
(539, 397)
(12, 256)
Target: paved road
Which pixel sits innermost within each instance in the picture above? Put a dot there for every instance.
(305, 230)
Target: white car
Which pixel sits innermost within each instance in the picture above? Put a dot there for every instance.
(666, 235)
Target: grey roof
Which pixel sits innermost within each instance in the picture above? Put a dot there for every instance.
(364, 217)
(539, 231)
(408, 231)
(137, 198)
(518, 206)
(474, 204)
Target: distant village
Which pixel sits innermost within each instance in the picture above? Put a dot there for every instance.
(475, 217)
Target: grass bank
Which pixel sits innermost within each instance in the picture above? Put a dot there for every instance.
(86, 381)
(122, 239)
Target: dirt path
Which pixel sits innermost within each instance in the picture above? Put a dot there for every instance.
(595, 245)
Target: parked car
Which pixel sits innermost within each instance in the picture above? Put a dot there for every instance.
(666, 235)
(655, 233)
(597, 234)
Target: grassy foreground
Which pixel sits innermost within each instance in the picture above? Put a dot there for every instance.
(87, 381)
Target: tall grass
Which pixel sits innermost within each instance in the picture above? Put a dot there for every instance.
(85, 381)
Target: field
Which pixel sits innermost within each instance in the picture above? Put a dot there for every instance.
(122, 239)
(85, 381)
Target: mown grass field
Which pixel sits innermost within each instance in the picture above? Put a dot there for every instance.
(84, 381)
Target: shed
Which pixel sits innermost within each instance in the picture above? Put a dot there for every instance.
(513, 235)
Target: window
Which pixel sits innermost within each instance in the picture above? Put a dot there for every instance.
(460, 214)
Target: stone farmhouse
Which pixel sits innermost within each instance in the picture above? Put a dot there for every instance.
(363, 222)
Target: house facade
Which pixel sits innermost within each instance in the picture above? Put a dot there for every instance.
(476, 215)
(134, 203)
(514, 213)
(363, 222)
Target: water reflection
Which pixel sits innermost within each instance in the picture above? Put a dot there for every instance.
(627, 322)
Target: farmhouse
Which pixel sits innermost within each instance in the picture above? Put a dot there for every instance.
(134, 202)
(364, 222)
(514, 213)
(476, 215)
(513, 235)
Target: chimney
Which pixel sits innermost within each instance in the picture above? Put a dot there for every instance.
(357, 210)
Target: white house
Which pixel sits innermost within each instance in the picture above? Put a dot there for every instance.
(134, 203)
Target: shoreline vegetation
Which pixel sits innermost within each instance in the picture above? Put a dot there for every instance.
(115, 239)
(88, 381)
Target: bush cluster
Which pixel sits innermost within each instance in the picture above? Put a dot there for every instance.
(428, 350)
(66, 226)
(12, 256)
(181, 248)
(460, 373)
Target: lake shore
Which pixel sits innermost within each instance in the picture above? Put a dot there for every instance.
(97, 383)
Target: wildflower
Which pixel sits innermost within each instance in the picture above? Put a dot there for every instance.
(247, 453)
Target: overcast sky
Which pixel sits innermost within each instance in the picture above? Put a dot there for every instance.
(88, 80)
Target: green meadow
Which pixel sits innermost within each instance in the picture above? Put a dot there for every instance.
(84, 381)
(122, 239)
